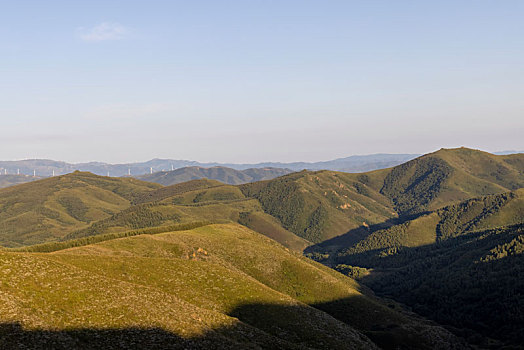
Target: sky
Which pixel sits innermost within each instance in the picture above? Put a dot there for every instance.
(258, 80)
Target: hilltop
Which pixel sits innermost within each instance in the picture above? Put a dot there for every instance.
(48, 209)
(222, 174)
(451, 175)
(325, 204)
(217, 286)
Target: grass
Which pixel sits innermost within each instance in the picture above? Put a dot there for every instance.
(320, 205)
(221, 281)
(458, 219)
(47, 209)
(315, 206)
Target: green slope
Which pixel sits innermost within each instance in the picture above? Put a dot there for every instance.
(458, 219)
(313, 206)
(219, 173)
(451, 175)
(320, 205)
(218, 286)
(192, 201)
(48, 209)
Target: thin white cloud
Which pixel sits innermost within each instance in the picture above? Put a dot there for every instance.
(103, 32)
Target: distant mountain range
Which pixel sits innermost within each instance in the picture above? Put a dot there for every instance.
(351, 164)
(45, 167)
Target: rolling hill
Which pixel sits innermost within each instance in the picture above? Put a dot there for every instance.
(222, 174)
(313, 206)
(48, 209)
(482, 213)
(451, 175)
(216, 286)
(322, 205)
(194, 201)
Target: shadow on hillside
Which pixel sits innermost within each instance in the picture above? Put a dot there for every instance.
(384, 327)
(355, 235)
(463, 282)
(469, 246)
(13, 336)
(262, 326)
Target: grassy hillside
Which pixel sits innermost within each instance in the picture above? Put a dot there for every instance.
(451, 175)
(48, 209)
(324, 204)
(320, 205)
(219, 173)
(435, 227)
(217, 286)
(314, 206)
(192, 201)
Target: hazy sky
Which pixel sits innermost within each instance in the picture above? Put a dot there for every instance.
(249, 81)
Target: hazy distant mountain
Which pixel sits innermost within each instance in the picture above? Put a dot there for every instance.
(45, 167)
(222, 174)
(502, 153)
(10, 180)
(352, 164)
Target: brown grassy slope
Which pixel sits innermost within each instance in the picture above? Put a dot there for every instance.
(165, 282)
(224, 280)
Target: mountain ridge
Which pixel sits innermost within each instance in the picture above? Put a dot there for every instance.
(223, 174)
(44, 167)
